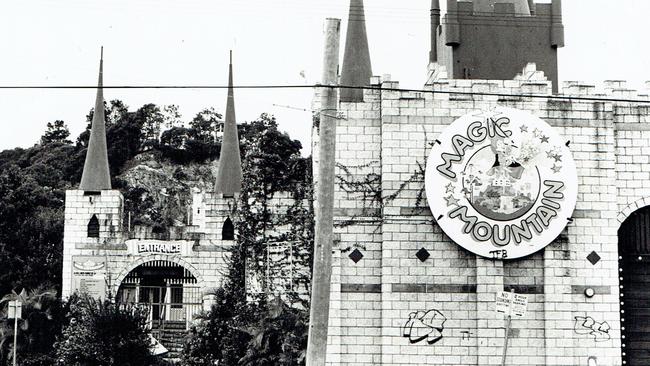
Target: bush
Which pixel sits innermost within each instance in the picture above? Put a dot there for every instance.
(101, 333)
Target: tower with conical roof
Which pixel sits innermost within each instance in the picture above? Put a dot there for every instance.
(93, 213)
(96, 173)
(356, 70)
(229, 173)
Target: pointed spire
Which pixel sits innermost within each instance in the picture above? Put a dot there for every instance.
(229, 173)
(356, 69)
(96, 174)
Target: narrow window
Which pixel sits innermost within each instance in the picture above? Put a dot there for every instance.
(228, 231)
(93, 227)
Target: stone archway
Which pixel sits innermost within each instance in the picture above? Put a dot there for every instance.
(158, 257)
(634, 280)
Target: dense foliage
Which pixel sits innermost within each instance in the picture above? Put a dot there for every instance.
(42, 317)
(272, 328)
(102, 333)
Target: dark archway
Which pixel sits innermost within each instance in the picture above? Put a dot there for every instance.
(93, 227)
(634, 275)
(228, 231)
(169, 290)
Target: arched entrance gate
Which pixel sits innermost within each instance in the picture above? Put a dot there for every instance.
(168, 289)
(634, 272)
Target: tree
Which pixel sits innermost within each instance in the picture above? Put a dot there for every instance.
(102, 333)
(205, 125)
(57, 131)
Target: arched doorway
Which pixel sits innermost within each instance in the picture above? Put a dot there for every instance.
(169, 290)
(634, 275)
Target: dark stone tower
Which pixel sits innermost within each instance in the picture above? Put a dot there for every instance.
(96, 174)
(495, 39)
(356, 69)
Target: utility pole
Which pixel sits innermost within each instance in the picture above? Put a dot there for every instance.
(321, 278)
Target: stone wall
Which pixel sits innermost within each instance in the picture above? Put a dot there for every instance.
(382, 145)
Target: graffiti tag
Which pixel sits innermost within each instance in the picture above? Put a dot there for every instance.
(423, 325)
(587, 325)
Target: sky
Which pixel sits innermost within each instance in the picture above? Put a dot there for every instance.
(274, 42)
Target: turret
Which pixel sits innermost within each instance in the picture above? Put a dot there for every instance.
(229, 173)
(96, 173)
(435, 22)
(557, 29)
(356, 69)
(452, 28)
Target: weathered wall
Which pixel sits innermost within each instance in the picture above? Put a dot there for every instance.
(203, 253)
(382, 145)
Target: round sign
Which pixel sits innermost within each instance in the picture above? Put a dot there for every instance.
(501, 183)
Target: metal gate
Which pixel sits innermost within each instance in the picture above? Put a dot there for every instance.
(167, 290)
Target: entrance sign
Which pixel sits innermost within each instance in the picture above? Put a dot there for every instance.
(89, 276)
(510, 303)
(167, 247)
(501, 183)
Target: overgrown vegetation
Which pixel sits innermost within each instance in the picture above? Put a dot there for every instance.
(269, 330)
(271, 327)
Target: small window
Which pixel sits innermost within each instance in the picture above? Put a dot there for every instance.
(93, 227)
(228, 231)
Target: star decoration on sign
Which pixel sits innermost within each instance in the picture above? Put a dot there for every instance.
(550, 154)
(523, 128)
(544, 139)
(450, 188)
(556, 168)
(537, 132)
(557, 157)
(451, 201)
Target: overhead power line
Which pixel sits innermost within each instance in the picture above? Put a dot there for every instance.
(303, 86)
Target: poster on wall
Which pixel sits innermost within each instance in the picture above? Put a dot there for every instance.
(89, 276)
(501, 183)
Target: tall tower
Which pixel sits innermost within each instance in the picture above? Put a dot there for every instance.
(495, 39)
(93, 214)
(229, 173)
(356, 69)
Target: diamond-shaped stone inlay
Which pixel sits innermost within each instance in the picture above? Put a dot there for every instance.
(356, 255)
(422, 255)
(593, 258)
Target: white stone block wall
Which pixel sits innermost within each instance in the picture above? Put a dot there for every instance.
(372, 299)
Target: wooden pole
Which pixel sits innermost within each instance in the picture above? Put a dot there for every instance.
(320, 290)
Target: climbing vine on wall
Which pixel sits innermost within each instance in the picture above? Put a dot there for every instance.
(367, 188)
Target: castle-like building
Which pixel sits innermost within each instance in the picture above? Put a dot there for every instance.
(105, 257)
(420, 263)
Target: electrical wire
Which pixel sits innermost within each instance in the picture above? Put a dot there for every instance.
(304, 86)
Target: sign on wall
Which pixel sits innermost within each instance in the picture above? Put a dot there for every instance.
(501, 183)
(89, 276)
(168, 247)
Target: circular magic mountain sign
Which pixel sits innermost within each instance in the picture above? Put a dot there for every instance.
(501, 183)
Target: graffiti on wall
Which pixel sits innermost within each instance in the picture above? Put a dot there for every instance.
(587, 325)
(424, 325)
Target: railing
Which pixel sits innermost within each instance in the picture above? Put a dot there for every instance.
(171, 306)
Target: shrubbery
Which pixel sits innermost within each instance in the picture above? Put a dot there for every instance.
(102, 333)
